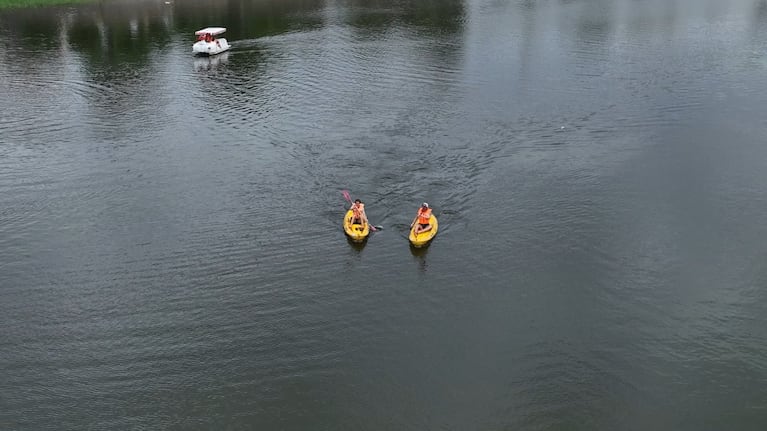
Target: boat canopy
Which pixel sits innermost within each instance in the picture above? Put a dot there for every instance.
(210, 30)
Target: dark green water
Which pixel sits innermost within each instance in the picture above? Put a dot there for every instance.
(171, 251)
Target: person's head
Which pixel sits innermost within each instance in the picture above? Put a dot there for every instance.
(424, 206)
(357, 201)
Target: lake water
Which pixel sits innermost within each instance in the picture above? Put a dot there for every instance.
(171, 251)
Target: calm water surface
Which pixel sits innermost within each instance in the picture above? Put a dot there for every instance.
(171, 251)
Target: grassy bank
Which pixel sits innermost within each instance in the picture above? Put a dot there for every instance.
(7, 4)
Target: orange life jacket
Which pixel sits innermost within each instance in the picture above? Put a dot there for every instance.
(424, 216)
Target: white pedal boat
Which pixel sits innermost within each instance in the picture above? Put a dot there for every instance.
(207, 42)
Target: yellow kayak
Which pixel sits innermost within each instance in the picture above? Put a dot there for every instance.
(355, 232)
(423, 238)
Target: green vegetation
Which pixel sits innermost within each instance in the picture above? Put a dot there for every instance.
(7, 4)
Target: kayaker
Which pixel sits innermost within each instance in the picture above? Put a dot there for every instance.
(359, 216)
(423, 218)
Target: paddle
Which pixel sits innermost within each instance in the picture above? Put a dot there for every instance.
(349, 199)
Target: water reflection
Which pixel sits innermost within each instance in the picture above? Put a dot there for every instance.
(420, 251)
(171, 176)
(202, 63)
(440, 20)
(759, 21)
(129, 31)
(357, 246)
(419, 255)
(428, 16)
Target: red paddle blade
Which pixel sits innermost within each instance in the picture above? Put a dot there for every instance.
(346, 195)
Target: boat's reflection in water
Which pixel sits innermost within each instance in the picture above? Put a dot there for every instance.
(204, 62)
(357, 245)
(419, 253)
